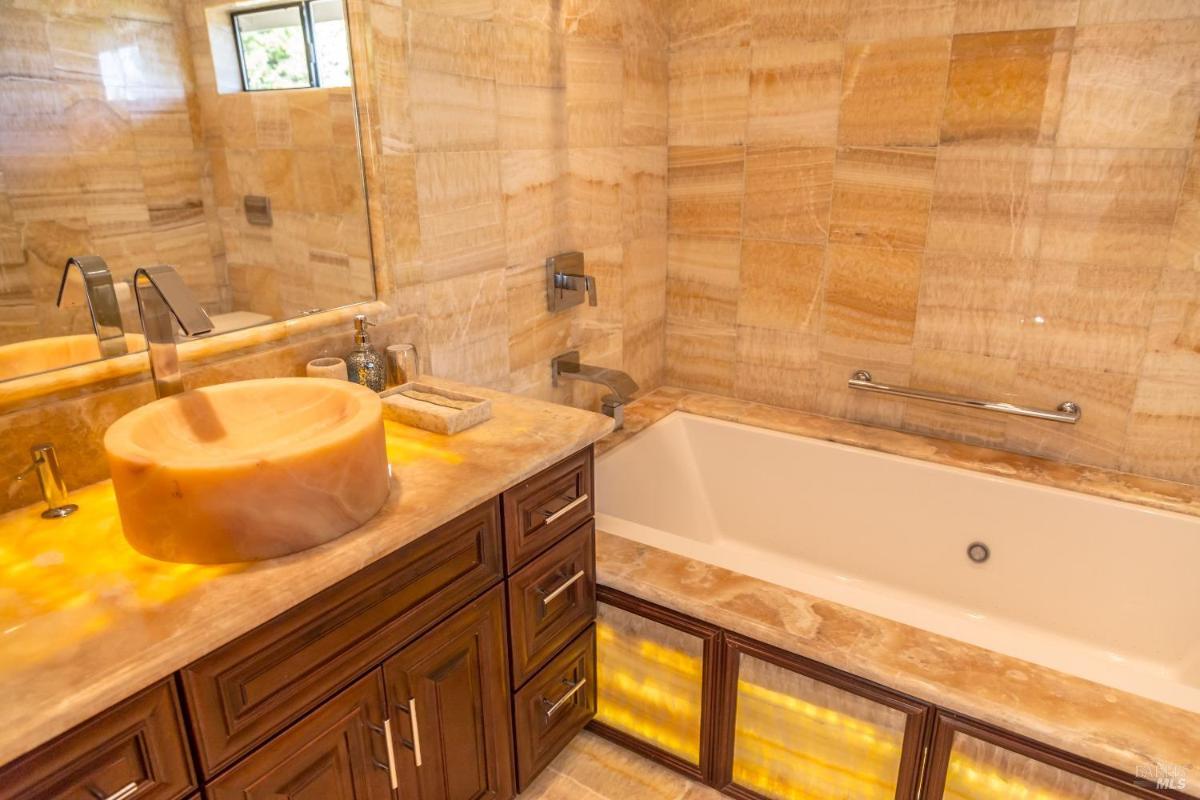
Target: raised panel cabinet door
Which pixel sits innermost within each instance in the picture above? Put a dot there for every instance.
(972, 761)
(449, 706)
(338, 752)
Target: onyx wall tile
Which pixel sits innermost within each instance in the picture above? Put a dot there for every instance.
(881, 196)
(1112, 206)
(1007, 86)
(788, 193)
(1109, 102)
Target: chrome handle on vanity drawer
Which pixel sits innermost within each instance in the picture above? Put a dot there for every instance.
(551, 708)
(551, 518)
(416, 730)
(128, 790)
(391, 754)
(562, 587)
(390, 767)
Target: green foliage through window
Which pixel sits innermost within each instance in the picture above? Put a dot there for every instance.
(294, 46)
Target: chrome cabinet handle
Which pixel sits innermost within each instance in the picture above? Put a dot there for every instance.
(562, 587)
(416, 730)
(128, 790)
(569, 507)
(390, 767)
(552, 708)
(391, 753)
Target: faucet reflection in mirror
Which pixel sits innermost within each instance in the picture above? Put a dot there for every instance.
(102, 302)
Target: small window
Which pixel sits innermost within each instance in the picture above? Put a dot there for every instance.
(293, 46)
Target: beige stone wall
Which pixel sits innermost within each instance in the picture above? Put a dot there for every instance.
(999, 198)
(501, 133)
(100, 153)
(300, 149)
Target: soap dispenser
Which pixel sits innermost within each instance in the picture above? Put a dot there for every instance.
(365, 365)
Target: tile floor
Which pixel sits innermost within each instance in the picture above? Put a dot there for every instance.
(592, 768)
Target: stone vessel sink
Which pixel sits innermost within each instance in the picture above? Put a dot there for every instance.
(248, 470)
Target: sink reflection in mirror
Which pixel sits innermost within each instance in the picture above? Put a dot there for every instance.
(147, 148)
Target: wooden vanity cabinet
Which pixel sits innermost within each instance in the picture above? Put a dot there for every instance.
(395, 684)
(136, 750)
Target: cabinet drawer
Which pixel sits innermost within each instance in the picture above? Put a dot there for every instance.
(554, 706)
(244, 692)
(338, 752)
(133, 751)
(551, 600)
(547, 507)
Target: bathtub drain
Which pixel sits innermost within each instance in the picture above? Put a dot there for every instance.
(978, 552)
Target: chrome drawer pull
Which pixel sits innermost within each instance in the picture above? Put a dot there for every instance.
(568, 508)
(416, 730)
(391, 765)
(562, 587)
(566, 698)
(128, 790)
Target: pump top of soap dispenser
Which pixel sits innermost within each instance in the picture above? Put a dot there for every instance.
(361, 323)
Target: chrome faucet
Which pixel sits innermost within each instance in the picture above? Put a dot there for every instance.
(54, 486)
(162, 297)
(102, 302)
(567, 367)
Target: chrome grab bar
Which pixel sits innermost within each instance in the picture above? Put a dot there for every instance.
(1067, 412)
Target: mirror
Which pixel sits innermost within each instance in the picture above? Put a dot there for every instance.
(219, 138)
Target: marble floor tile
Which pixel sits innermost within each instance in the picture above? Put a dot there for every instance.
(591, 768)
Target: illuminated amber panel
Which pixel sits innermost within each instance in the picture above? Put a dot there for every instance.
(983, 771)
(650, 681)
(799, 738)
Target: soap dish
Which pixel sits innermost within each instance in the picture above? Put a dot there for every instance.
(430, 408)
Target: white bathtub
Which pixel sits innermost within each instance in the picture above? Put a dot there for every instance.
(1097, 588)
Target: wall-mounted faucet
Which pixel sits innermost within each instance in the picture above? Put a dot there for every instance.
(568, 368)
(54, 486)
(101, 297)
(566, 285)
(162, 297)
